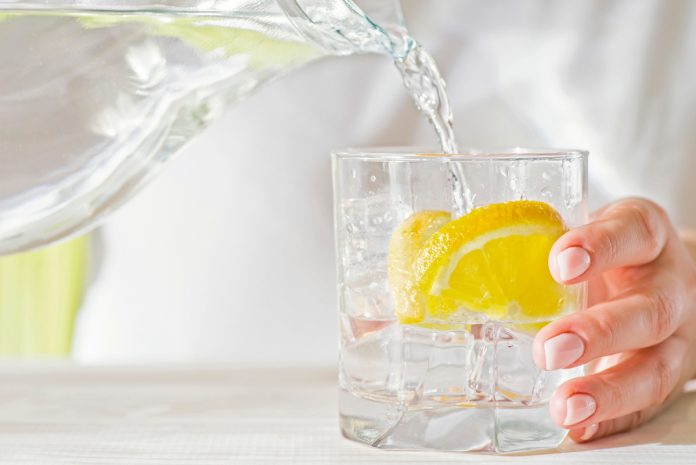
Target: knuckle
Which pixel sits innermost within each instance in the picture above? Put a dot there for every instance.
(615, 393)
(662, 310)
(648, 217)
(664, 379)
(635, 419)
(628, 422)
(606, 331)
(612, 246)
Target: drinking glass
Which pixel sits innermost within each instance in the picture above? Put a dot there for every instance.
(466, 381)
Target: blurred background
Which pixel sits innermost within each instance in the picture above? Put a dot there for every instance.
(228, 255)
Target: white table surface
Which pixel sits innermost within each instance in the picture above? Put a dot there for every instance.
(61, 413)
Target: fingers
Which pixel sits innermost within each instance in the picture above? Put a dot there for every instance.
(642, 381)
(627, 233)
(645, 329)
(635, 320)
(634, 419)
(621, 424)
(617, 425)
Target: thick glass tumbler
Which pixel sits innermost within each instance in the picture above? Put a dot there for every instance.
(443, 282)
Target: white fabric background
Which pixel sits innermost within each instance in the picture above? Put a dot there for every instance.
(229, 253)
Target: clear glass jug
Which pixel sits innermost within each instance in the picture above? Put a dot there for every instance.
(96, 95)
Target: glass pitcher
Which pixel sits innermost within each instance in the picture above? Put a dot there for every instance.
(96, 95)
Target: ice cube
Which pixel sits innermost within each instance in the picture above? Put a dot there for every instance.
(446, 380)
(481, 362)
(516, 372)
(365, 294)
(371, 363)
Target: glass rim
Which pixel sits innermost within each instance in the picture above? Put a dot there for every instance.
(473, 154)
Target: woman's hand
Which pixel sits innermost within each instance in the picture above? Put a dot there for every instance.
(639, 333)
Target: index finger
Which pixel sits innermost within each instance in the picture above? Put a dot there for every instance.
(630, 232)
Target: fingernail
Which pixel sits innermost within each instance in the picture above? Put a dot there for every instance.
(572, 262)
(589, 432)
(562, 350)
(578, 408)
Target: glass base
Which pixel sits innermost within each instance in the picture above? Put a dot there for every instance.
(455, 429)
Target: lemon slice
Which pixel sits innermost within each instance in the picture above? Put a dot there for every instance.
(404, 248)
(494, 261)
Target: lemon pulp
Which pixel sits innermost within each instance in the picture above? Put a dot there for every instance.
(405, 246)
(492, 261)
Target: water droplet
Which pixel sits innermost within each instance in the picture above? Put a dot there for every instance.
(546, 193)
(373, 178)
